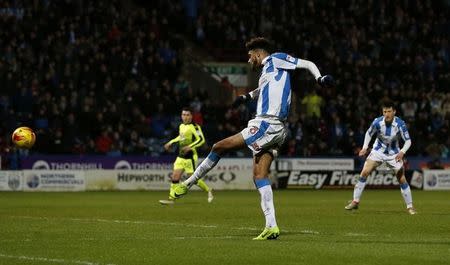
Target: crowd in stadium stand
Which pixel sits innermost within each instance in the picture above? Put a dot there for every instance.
(376, 49)
(105, 77)
(94, 78)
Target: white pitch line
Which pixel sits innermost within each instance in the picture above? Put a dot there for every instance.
(204, 237)
(247, 228)
(356, 234)
(15, 240)
(309, 232)
(62, 261)
(114, 221)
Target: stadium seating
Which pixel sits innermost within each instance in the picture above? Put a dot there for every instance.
(116, 70)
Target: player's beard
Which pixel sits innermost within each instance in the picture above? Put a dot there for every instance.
(255, 65)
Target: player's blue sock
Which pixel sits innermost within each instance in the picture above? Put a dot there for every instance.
(204, 167)
(359, 188)
(264, 188)
(406, 192)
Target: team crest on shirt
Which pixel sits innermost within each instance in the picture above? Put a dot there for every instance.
(406, 135)
(256, 146)
(254, 130)
(290, 59)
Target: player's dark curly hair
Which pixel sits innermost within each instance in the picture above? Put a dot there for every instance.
(259, 43)
(387, 103)
(186, 108)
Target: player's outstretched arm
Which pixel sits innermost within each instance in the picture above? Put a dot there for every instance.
(324, 81)
(245, 98)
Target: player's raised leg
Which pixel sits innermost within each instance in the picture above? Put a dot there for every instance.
(369, 166)
(233, 142)
(200, 183)
(261, 167)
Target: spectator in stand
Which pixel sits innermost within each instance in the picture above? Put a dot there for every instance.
(313, 104)
(103, 57)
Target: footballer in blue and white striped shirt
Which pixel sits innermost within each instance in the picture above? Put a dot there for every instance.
(266, 132)
(388, 130)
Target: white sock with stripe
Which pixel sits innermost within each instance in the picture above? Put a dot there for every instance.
(267, 206)
(359, 188)
(406, 192)
(204, 167)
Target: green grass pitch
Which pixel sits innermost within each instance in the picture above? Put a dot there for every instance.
(132, 228)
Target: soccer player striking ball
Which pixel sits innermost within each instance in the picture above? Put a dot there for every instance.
(388, 130)
(266, 132)
(190, 138)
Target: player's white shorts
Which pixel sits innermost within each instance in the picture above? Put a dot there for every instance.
(264, 135)
(389, 160)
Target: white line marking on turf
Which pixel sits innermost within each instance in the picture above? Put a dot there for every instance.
(204, 237)
(356, 234)
(113, 221)
(15, 240)
(101, 220)
(309, 232)
(247, 228)
(62, 261)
